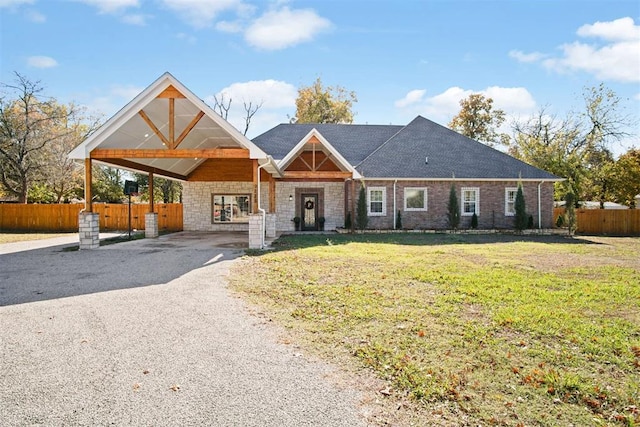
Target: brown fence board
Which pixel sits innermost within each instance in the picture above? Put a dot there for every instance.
(59, 218)
(614, 222)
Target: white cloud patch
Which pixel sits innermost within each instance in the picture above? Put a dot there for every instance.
(111, 6)
(35, 16)
(411, 98)
(229, 26)
(279, 29)
(613, 56)
(187, 37)
(14, 3)
(277, 99)
(117, 95)
(201, 13)
(520, 56)
(135, 19)
(443, 106)
(41, 62)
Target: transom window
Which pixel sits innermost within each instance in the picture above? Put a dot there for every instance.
(377, 201)
(510, 201)
(415, 199)
(470, 201)
(231, 208)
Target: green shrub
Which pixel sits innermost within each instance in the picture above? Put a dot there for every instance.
(521, 211)
(474, 221)
(453, 210)
(399, 220)
(362, 219)
(347, 221)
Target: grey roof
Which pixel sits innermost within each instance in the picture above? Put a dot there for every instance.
(390, 151)
(353, 142)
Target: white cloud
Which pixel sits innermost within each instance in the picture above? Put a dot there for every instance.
(616, 59)
(109, 103)
(229, 26)
(279, 29)
(135, 19)
(412, 97)
(187, 37)
(620, 29)
(201, 13)
(14, 3)
(35, 16)
(520, 56)
(111, 6)
(443, 106)
(637, 96)
(41, 62)
(277, 97)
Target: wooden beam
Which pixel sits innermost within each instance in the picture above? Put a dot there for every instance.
(272, 194)
(188, 129)
(153, 127)
(143, 168)
(172, 123)
(205, 153)
(317, 174)
(150, 192)
(171, 92)
(87, 185)
(255, 186)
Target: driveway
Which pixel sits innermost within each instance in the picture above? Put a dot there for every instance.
(146, 333)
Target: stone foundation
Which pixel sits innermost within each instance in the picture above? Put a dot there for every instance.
(89, 230)
(151, 225)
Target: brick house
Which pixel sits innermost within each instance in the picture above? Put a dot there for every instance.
(312, 172)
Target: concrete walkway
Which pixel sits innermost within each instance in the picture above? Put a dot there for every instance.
(146, 333)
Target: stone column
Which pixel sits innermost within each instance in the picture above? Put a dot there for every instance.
(255, 231)
(271, 225)
(89, 230)
(151, 224)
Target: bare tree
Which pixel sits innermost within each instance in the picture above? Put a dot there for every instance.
(250, 111)
(221, 107)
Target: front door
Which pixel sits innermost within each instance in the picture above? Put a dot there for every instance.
(309, 215)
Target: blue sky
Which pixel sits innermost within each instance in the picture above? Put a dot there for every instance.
(402, 58)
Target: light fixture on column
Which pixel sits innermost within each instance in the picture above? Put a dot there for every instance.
(290, 198)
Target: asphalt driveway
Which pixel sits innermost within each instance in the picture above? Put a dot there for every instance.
(146, 333)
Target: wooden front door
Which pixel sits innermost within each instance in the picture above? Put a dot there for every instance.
(309, 214)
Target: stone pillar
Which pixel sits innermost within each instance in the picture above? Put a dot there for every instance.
(255, 231)
(89, 230)
(151, 224)
(271, 225)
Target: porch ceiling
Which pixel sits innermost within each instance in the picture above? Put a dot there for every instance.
(169, 131)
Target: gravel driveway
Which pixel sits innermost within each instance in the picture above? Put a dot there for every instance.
(146, 333)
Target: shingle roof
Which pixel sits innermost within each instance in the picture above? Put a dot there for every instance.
(353, 142)
(391, 151)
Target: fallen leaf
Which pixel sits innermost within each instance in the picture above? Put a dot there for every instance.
(175, 387)
(136, 387)
(385, 391)
(146, 371)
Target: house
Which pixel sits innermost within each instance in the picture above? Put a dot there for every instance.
(308, 171)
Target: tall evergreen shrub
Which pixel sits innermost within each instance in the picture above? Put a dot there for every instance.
(453, 209)
(362, 219)
(521, 210)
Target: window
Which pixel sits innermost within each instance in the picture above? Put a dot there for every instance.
(510, 201)
(415, 199)
(231, 208)
(470, 201)
(377, 201)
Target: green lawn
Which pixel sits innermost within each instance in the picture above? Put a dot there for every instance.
(492, 330)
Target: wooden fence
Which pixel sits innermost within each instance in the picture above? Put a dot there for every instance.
(54, 218)
(614, 222)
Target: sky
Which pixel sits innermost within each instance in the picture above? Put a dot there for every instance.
(402, 58)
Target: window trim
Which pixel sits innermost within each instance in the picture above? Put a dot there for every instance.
(384, 201)
(234, 195)
(507, 190)
(476, 202)
(425, 205)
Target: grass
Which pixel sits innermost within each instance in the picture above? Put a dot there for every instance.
(492, 330)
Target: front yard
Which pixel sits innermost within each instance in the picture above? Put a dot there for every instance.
(467, 330)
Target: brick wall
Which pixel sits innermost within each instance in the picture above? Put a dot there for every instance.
(491, 197)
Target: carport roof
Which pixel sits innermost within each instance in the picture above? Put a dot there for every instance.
(169, 131)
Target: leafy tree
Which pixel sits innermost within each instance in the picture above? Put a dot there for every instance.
(521, 210)
(478, 120)
(362, 219)
(453, 209)
(575, 148)
(625, 182)
(165, 190)
(319, 104)
(34, 133)
(108, 184)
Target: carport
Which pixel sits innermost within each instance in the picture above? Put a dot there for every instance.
(168, 131)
